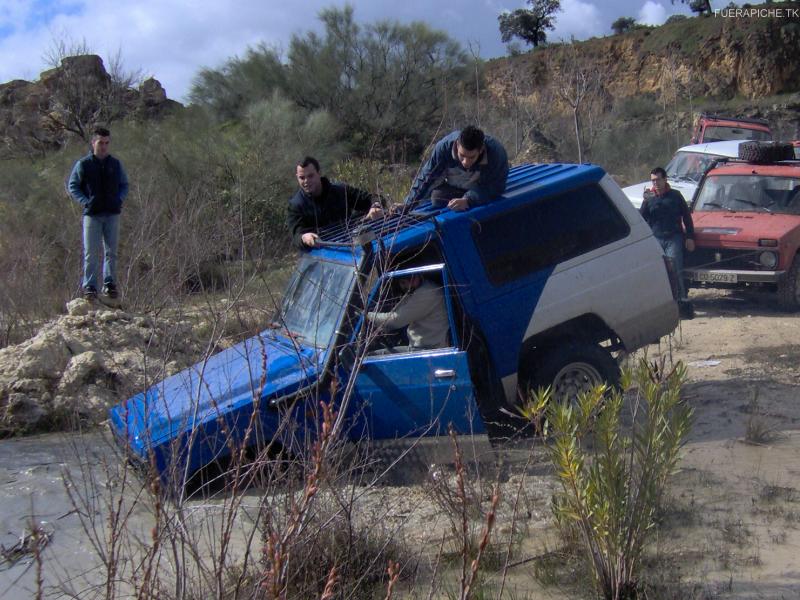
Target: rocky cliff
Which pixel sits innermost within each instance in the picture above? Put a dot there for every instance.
(74, 97)
(702, 57)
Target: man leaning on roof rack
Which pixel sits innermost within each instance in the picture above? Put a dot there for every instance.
(320, 202)
(466, 169)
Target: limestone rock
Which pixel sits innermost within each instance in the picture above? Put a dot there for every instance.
(83, 362)
(22, 412)
(33, 114)
(79, 371)
(78, 307)
(44, 357)
(152, 93)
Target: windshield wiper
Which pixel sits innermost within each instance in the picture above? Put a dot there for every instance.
(289, 333)
(728, 208)
(750, 202)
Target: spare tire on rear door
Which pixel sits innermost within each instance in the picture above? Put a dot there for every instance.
(765, 152)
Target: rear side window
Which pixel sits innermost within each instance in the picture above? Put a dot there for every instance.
(547, 232)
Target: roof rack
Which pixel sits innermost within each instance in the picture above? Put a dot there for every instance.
(357, 231)
(752, 120)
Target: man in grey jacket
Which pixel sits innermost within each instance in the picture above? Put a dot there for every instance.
(421, 311)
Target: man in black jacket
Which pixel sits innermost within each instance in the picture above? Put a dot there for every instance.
(320, 202)
(664, 209)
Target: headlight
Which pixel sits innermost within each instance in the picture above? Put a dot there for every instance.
(768, 259)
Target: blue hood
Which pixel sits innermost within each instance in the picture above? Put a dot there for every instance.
(222, 386)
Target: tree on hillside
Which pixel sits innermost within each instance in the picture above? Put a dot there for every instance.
(386, 82)
(698, 6)
(529, 24)
(240, 82)
(577, 82)
(623, 25)
(675, 19)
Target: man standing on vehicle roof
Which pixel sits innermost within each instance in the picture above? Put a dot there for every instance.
(320, 202)
(466, 169)
(99, 182)
(664, 208)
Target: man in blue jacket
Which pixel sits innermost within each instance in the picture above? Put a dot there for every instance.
(466, 169)
(99, 183)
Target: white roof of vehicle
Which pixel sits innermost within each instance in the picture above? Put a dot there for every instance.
(687, 189)
(727, 148)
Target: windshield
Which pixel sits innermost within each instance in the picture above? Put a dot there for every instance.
(689, 165)
(750, 193)
(315, 299)
(721, 133)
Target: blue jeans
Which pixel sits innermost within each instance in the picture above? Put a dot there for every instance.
(97, 230)
(673, 249)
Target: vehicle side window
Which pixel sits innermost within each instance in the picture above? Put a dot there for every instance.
(547, 232)
(408, 313)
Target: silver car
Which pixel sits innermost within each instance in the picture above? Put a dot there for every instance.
(686, 168)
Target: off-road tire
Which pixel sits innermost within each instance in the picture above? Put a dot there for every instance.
(789, 288)
(574, 367)
(765, 152)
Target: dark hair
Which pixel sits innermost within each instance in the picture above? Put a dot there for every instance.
(471, 138)
(308, 160)
(101, 132)
(659, 172)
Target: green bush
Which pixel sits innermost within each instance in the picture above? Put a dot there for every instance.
(612, 487)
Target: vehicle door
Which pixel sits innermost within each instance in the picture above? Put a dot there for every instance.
(401, 391)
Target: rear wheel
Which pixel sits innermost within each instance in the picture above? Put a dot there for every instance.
(574, 368)
(789, 288)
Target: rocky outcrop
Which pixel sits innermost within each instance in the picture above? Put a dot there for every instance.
(77, 95)
(83, 362)
(700, 57)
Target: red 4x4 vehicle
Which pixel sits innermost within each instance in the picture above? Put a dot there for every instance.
(747, 223)
(715, 128)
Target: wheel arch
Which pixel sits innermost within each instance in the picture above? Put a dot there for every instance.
(588, 328)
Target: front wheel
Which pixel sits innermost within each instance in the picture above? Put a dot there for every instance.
(789, 288)
(574, 368)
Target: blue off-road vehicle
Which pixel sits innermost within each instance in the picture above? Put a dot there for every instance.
(543, 286)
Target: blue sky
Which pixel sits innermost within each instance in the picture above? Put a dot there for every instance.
(172, 39)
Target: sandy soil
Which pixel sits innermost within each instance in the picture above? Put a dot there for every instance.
(736, 498)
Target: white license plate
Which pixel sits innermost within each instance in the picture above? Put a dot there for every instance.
(716, 277)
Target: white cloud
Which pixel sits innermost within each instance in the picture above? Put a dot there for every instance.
(167, 39)
(652, 13)
(172, 39)
(579, 19)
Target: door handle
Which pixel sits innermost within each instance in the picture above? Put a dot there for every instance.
(444, 373)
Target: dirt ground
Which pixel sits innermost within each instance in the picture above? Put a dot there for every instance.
(732, 523)
(736, 498)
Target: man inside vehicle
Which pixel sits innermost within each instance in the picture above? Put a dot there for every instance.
(421, 311)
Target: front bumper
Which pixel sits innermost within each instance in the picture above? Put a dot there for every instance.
(733, 276)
